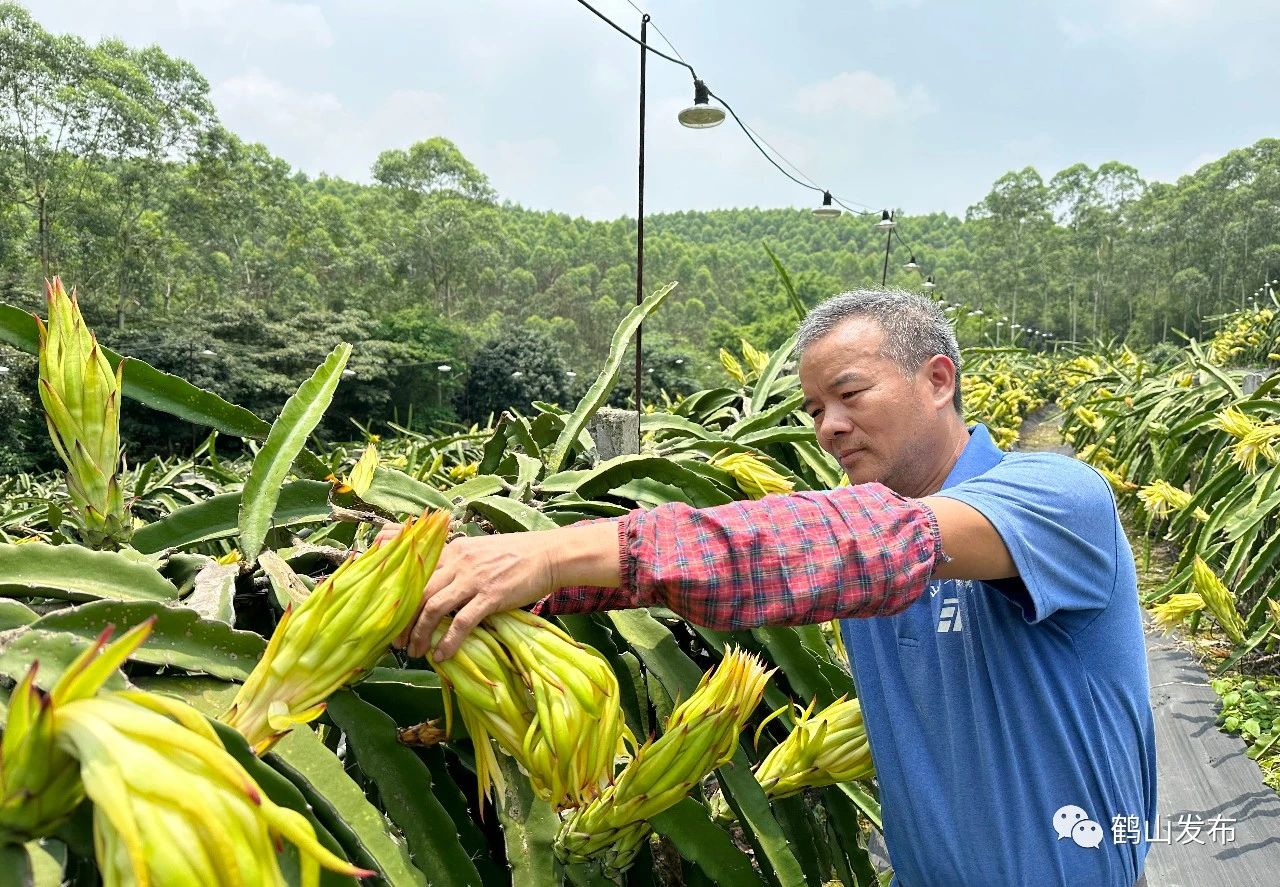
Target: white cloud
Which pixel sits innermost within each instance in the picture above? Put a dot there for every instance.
(248, 25)
(1077, 34)
(865, 95)
(1140, 21)
(520, 160)
(237, 22)
(315, 132)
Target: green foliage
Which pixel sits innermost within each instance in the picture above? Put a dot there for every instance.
(188, 239)
(430, 166)
(288, 436)
(1189, 424)
(1251, 708)
(513, 370)
(24, 425)
(404, 812)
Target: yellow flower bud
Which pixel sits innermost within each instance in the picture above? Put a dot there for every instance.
(171, 806)
(700, 735)
(337, 633)
(81, 396)
(754, 476)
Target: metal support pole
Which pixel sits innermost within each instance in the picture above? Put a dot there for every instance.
(191, 360)
(884, 275)
(644, 34)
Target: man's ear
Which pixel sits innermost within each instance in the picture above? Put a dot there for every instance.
(940, 374)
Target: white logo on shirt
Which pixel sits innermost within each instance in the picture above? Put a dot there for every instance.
(1072, 822)
(949, 615)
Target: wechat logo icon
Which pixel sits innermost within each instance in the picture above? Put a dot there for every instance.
(1072, 822)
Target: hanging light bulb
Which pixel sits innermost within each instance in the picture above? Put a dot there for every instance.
(911, 265)
(928, 284)
(701, 114)
(886, 221)
(828, 210)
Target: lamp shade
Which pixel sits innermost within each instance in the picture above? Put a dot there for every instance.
(828, 210)
(701, 114)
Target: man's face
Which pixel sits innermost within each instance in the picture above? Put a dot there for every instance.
(872, 418)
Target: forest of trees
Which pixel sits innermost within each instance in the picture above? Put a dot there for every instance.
(211, 258)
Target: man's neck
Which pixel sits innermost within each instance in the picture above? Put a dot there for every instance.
(955, 439)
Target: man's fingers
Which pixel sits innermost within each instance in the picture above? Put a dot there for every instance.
(434, 608)
(468, 618)
(388, 532)
(440, 578)
(438, 581)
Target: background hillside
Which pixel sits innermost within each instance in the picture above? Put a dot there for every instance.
(214, 259)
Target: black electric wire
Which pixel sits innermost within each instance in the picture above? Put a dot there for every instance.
(751, 135)
(798, 170)
(868, 210)
(765, 153)
(625, 33)
(659, 30)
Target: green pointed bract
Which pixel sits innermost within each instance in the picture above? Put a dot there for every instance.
(700, 735)
(337, 633)
(39, 782)
(159, 778)
(80, 392)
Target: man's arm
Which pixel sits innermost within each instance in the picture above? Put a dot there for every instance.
(785, 560)
(974, 549)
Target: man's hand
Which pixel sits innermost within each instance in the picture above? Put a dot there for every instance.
(480, 575)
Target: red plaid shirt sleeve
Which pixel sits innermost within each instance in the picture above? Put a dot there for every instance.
(783, 560)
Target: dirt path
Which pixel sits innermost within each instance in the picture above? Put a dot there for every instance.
(1202, 772)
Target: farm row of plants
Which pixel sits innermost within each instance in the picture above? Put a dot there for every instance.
(256, 620)
(1190, 447)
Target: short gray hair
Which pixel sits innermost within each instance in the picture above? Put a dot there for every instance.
(915, 329)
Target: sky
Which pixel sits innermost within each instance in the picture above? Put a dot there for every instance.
(918, 105)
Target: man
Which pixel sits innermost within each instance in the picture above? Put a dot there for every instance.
(989, 606)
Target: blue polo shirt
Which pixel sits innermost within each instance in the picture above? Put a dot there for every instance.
(1010, 721)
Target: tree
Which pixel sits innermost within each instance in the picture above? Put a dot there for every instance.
(1014, 221)
(66, 108)
(430, 167)
(24, 440)
(513, 370)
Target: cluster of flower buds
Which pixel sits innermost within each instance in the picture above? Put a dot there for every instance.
(551, 703)
(40, 783)
(755, 477)
(172, 807)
